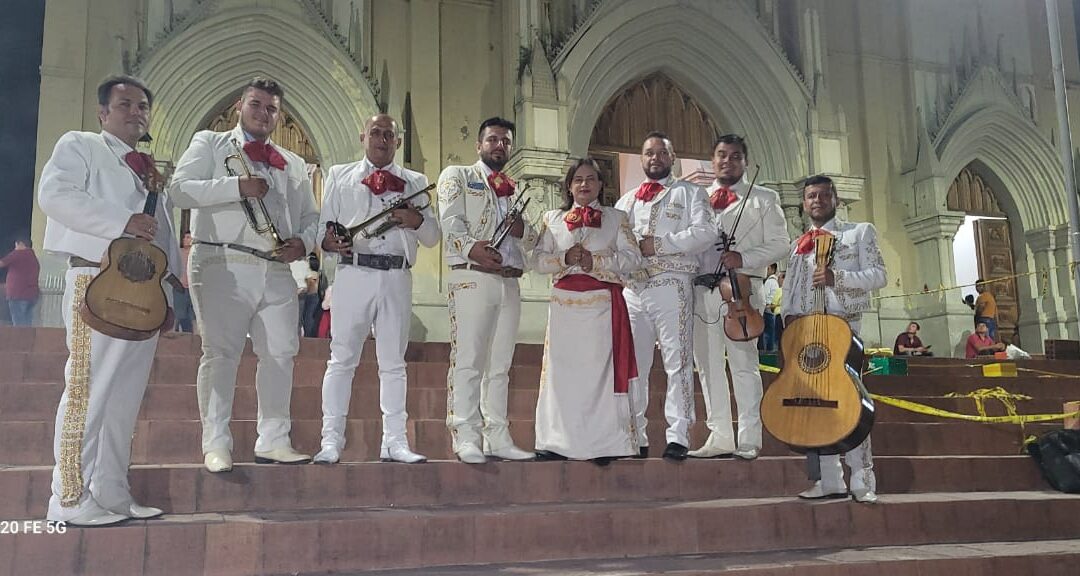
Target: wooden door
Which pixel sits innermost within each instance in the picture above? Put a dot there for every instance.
(993, 245)
(609, 170)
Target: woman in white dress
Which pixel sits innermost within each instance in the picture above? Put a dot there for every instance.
(583, 412)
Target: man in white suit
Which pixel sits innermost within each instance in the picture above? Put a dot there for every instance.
(374, 273)
(240, 279)
(760, 239)
(484, 298)
(93, 191)
(673, 223)
(857, 270)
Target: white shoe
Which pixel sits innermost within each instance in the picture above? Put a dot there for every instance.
(510, 452)
(470, 454)
(95, 515)
(711, 449)
(137, 511)
(818, 492)
(864, 496)
(283, 455)
(218, 461)
(747, 453)
(328, 455)
(400, 452)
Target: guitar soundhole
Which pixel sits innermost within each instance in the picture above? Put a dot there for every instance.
(136, 267)
(814, 358)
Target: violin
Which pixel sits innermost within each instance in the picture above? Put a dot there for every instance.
(742, 322)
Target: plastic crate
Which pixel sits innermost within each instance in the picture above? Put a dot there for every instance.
(885, 366)
(999, 369)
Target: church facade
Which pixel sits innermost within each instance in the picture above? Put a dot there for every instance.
(926, 114)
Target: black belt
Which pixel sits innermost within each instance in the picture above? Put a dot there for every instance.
(76, 262)
(505, 271)
(380, 261)
(264, 254)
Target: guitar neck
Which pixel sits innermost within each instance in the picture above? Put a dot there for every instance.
(150, 207)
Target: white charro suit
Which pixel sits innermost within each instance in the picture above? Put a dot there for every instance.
(369, 296)
(660, 298)
(237, 294)
(484, 308)
(858, 269)
(762, 239)
(89, 193)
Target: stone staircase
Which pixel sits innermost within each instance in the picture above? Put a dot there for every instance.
(956, 497)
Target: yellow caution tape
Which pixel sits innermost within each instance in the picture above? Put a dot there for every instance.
(1044, 272)
(1007, 399)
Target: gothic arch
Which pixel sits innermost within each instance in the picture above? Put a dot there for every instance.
(716, 52)
(191, 73)
(986, 125)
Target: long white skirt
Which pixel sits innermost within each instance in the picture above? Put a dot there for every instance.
(579, 415)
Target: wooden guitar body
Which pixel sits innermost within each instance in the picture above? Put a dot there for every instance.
(817, 402)
(126, 300)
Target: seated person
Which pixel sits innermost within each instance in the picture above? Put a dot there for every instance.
(909, 344)
(981, 344)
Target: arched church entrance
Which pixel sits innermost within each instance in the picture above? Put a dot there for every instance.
(983, 246)
(654, 102)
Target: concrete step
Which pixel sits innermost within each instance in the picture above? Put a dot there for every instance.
(1043, 557)
(310, 542)
(178, 442)
(188, 488)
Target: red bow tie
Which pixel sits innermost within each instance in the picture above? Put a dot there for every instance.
(380, 181)
(582, 216)
(265, 153)
(139, 162)
(501, 184)
(648, 190)
(722, 198)
(805, 243)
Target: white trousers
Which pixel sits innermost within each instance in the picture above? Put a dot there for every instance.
(366, 297)
(484, 314)
(859, 459)
(236, 295)
(713, 353)
(105, 379)
(662, 310)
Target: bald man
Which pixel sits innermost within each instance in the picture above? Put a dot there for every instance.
(373, 285)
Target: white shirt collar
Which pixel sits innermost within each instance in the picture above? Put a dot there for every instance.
(829, 226)
(367, 167)
(116, 144)
(593, 204)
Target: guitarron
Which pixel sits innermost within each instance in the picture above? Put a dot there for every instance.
(126, 300)
(818, 402)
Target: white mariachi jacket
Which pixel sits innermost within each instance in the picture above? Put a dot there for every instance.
(680, 219)
(89, 193)
(200, 182)
(762, 236)
(857, 266)
(613, 245)
(469, 212)
(348, 201)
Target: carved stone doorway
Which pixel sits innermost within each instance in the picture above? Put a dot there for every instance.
(987, 229)
(653, 103)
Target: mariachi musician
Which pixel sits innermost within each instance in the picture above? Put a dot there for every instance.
(857, 269)
(240, 279)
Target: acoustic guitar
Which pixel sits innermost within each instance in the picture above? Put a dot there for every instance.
(126, 300)
(818, 402)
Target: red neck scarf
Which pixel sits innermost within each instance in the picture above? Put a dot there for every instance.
(805, 243)
(582, 216)
(501, 184)
(265, 153)
(139, 162)
(380, 181)
(722, 198)
(648, 190)
(622, 339)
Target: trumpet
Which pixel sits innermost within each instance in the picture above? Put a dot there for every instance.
(380, 223)
(517, 209)
(255, 208)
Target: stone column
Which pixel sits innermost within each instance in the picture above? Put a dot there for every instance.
(944, 319)
(1048, 318)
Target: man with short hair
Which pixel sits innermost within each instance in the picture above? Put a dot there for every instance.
(374, 272)
(673, 223)
(240, 278)
(760, 239)
(986, 310)
(856, 270)
(979, 343)
(484, 299)
(21, 289)
(908, 342)
(94, 190)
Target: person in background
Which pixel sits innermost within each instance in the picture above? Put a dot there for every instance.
(986, 308)
(21, 289)
(981, 344)
(768, 341)
(908, 343)
(185, 313)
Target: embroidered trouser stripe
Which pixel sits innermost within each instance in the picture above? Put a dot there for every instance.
(78, 390)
